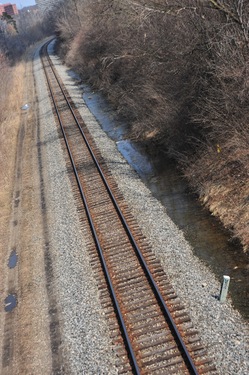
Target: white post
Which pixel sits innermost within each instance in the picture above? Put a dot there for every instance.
(224, 288)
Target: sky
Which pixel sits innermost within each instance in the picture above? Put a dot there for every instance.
(19, 3)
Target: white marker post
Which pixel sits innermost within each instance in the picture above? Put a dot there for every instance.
(224, 288)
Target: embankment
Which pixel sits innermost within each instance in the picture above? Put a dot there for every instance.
(179, 77)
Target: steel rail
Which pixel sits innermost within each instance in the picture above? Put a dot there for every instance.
(185, 354)
(131, 353)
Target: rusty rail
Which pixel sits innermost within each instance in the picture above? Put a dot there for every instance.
(182, 358)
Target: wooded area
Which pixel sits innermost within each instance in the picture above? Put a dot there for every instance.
(178, 73)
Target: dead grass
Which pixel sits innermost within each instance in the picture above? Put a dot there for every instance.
(220, 175)
(8, 140)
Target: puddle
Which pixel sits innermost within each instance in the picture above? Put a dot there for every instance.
(210, 242)
(139, 161)
(10, 302)
(13, 259)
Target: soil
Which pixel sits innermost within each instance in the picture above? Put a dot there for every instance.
(24, 335)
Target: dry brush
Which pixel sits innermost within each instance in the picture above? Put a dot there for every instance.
(178, 73)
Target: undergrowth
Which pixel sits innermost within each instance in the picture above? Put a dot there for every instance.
(178, 73)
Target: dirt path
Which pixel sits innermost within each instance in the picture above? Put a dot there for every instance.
(25, 329)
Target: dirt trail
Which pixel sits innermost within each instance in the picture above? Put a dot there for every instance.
(25, 331)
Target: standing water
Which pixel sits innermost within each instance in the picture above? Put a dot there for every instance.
(210, 242)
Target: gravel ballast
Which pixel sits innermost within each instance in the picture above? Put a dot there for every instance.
(86, 345)
(85, 338)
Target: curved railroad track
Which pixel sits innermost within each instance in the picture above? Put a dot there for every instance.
(150, 328)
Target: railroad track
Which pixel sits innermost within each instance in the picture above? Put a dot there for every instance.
(150, 328)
